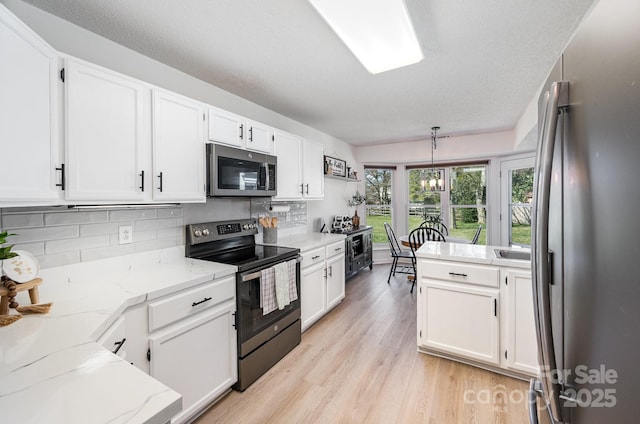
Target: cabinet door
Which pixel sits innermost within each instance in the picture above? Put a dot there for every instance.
(288, 150)
(335, 280)
(258, 136)
(105, 137)
(313, 169)
(114, 338)
(459, 320)
(225, 127)
(522, 348)
(197, 358)
(313, 296)
(28, 114)
(178, 148)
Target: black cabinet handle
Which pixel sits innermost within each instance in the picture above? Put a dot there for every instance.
(62, 182)
(495, 307)
(250, 133)
(241, 131)
(301, 188)
(160, 186)
(142, 181)
(206, 299)
(307, 188)
(118, 345)
(453, 274)
(315, 257)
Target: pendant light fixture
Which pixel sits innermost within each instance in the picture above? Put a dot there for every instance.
(435, 182)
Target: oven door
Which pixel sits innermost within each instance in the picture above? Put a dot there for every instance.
(236, 172)
(255, 328)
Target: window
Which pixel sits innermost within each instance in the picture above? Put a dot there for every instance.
(517, 194)
(378, 203)
(461, 205)
(468, 202)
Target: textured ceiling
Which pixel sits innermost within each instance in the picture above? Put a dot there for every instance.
(484, 60)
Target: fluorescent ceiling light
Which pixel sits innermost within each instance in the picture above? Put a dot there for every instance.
(379, 32)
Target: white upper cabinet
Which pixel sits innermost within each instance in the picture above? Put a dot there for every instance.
(29, 139)
(235, 130)
(288, 150)
(259, 137)
(106, 135)
(225, 127)
(312, 169)
(300, 167)
(178, 148)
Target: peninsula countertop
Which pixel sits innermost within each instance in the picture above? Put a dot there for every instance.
(51, 368)
(473, 253)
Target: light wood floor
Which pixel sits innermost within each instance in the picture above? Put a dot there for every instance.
(359, 364)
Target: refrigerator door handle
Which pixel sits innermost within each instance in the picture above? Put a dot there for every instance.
(555, 99)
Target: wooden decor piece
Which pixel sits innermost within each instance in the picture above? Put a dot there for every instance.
(40, 308)
(8, 319)
(8, 295)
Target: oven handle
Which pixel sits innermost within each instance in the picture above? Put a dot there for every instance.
(258, 274)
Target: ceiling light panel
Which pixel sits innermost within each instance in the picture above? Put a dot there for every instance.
(379, 33)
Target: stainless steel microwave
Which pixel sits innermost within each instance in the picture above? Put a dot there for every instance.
(235, 172)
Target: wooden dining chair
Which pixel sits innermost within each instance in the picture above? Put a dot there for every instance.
(417, 238)
(476, 236)
(397, 253)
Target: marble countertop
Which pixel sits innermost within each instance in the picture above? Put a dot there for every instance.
(51, 368)
(308, 241)
(472, 253)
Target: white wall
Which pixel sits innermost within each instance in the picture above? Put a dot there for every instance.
(75, 41)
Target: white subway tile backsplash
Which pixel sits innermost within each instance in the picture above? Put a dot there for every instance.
(26, 235)
(87, 230)
(57, 236)
(75, 217)
(169, 212)
(29, 220)
(36, 249)
(57, 246)
(132, 214)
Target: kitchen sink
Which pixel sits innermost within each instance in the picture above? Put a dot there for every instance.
(513, 254)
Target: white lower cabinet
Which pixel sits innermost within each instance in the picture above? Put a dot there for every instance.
(114, 339)
(322, 285)
(521, 346)
(197, 358)
(460, 320)
(477, 313)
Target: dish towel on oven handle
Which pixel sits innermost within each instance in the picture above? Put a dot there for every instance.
(282, 284)
(268, 291)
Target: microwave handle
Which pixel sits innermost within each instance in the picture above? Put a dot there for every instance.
(265, 167)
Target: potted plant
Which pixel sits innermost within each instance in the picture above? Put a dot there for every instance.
(5, 251)
(356, 200)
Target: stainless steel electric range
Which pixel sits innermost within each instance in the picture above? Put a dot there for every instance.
(262, 339)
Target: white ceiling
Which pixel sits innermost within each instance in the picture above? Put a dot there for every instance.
(484, 60)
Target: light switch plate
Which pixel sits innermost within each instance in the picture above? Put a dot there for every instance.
(125, 234)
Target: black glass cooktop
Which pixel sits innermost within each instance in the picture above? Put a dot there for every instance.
(250, 257)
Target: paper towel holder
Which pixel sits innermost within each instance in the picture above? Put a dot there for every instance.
(279, 208)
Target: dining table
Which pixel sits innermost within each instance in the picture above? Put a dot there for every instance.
(404, 240)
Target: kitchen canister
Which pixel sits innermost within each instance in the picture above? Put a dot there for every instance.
(269, 235)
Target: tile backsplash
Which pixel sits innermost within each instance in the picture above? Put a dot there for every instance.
(59, 236)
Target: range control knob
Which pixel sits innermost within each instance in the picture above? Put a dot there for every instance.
(205, 232)
(197, 233)
(245, 227)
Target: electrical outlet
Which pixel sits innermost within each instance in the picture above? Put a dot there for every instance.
(125, 234)
(288, 216)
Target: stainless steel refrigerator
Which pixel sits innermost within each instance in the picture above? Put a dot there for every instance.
(586, 247)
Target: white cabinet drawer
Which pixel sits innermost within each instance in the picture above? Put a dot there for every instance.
(114, 338)
(336, 248)
(312, 257)
(487, 276)
(190, 302)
